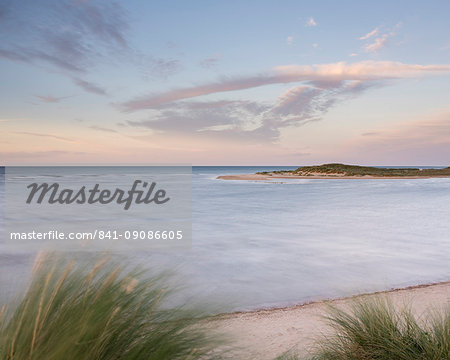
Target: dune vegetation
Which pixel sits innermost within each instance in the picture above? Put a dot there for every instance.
(373, 329)
(354, 170)
(71, 313)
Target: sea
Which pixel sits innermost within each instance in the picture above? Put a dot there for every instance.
(265, 244)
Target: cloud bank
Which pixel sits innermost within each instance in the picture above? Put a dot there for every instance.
(316, 89)
(362, 71)
(70, 35)
(76, 37)
(419, 142)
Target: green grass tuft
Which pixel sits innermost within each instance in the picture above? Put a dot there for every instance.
(102, 313)
(374, 330)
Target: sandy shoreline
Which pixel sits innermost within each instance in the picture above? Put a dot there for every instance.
(285, 176)
(265, 334)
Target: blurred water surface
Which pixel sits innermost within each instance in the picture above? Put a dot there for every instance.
(263, 244)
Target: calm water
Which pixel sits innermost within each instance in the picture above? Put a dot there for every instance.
(259, 244)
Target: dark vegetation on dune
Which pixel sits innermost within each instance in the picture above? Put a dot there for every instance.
(355, 170)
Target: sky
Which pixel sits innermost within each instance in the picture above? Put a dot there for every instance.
(224, 82)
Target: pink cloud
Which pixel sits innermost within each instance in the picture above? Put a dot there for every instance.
(311, 22)
(370, 34)
(364, 70)
(52, 136)
(421, 142)
(382, 39)
(377, 45)
(51, 99)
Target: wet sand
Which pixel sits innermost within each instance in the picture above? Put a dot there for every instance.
(265, 334)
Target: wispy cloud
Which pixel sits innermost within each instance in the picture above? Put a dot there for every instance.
(89, 87)
(100, 128)
(370, 133)
(381, 39)
(155, 67)
(365, 70)
(419, 141)
(51, 99)
(434, 129)
(369, 34)
(12, 119)
(211, 61)
(247, 121)
(76, 34)
(378, 44)
(321, 88)
(311, 22)
(52, 136)
(75, 39)
(16, 155)
(204, 117)
(28, 55)
(290, 40)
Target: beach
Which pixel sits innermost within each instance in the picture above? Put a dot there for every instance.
(265, 334)
(216, 180)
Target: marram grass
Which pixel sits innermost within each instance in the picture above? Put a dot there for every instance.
(73, 314)
(104, 313)
(374, 330)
